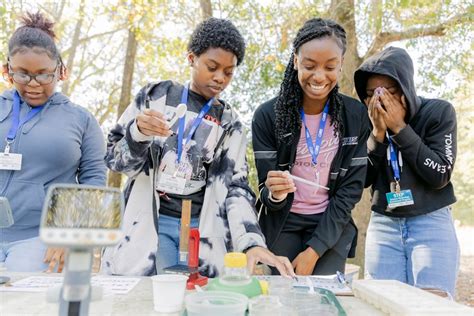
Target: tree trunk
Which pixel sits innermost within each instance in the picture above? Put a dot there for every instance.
(342, 11)
(125, 95)
(206, 9)
(74, 45)
(361, 216)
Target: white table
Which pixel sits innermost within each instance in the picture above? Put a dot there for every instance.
(138, 302)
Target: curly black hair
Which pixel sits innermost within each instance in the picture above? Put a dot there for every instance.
(290, 97)
(217, 33)
(36, 32)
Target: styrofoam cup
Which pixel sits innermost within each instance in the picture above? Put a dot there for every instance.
(168, 292)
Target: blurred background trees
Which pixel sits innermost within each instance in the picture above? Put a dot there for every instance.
(112, 48)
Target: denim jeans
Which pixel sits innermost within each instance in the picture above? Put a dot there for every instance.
(422, 251)
(23, 255)
(168, 241)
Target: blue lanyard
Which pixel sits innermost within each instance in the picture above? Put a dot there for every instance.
(393, 159)
(315, 148)
(197, 121)
(16, 122)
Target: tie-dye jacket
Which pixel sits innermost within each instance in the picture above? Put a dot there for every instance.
(228, 219)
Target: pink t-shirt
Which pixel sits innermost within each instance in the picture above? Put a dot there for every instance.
(309, 199)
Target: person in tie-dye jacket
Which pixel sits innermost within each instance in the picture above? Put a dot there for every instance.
(210, 169)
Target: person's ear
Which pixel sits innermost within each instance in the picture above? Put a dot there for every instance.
(295, 62)
(339, 71)
(191, 57)
(63, 73)
(404, 102)
(5, 74)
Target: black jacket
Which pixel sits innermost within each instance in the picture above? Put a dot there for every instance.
(346, 181)
(427, 143)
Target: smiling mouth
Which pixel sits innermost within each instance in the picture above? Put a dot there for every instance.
(317, 88)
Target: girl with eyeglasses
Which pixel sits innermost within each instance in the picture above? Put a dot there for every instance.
(44, 139)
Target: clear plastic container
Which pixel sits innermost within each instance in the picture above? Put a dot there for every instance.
(235, 269)
(280, 286)
(236, 277)
(264, 305)
(216, 303)
(303, 303)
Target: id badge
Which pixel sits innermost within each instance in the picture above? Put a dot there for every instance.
(10, 161)
(403, 198)
(172, 176)
(171, 183)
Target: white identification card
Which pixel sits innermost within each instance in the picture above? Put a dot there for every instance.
(10, 161)
(170, 184)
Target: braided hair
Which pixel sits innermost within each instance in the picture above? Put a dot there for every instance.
(36, 32)
(290, 96)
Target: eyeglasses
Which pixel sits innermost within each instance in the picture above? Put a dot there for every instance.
(24, 78)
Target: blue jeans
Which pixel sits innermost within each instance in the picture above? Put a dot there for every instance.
(23, 255)
(422, 251)
(168, 241)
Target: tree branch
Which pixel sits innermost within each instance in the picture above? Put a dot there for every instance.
(383, 38)
(74, 45)
(88, 38)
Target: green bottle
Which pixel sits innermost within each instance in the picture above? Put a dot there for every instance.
(236, 277)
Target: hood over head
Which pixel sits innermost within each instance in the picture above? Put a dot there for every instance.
(395, 63)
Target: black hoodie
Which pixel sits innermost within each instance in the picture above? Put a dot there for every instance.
(427, 143)
(346, 181)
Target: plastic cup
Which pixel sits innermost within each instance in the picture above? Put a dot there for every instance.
(168, 292)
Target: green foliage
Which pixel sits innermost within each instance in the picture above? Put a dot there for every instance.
(8, 13)
(443, 64)
(252, 173)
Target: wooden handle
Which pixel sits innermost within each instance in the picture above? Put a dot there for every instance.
(185, 223)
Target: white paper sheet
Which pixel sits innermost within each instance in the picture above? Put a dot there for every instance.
(114, 285)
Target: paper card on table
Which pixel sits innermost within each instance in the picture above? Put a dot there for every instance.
(114, 285)
(328, 282)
